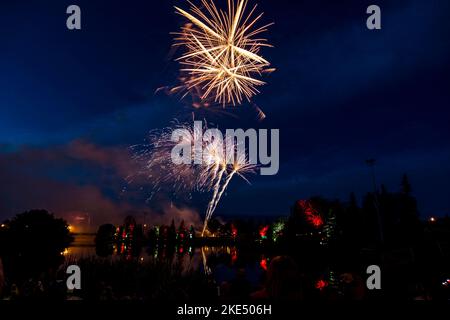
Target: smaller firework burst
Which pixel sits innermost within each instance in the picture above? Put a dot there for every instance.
(208, 171)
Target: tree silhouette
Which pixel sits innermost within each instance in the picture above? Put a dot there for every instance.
(32, 242)
(172, 234)
(370, 223)
(351, 225)
(406, 186)
(214, 225)
(104, 240)
(408, 214)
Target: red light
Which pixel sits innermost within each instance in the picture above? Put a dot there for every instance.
(311, 214)
(263, 264)
(321, 284)
(234, 231)
(316, 221)
(234, 256)
(263, 231)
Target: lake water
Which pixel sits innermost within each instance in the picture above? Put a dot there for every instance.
(221, 262)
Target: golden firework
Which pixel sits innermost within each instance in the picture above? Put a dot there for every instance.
(222, 57)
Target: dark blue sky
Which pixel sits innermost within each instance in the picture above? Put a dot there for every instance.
(72, 102)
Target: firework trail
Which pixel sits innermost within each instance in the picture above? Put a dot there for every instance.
(222, 52)
(211, 174)
(240, 166)
(216, 189)
(216, 199)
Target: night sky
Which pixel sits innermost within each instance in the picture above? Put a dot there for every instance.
(73, 102)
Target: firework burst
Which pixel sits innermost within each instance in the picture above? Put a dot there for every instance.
(212, 173)
(222, 61)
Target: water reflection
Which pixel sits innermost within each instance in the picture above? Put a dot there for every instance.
(217, 262)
